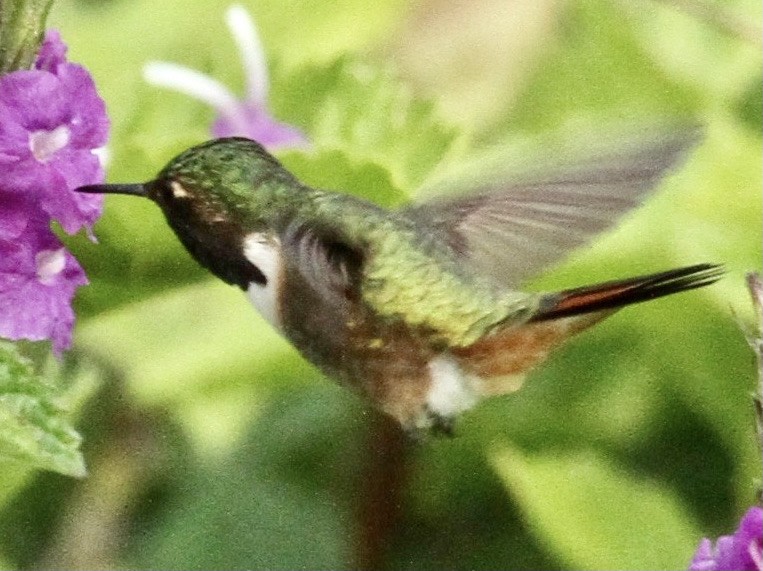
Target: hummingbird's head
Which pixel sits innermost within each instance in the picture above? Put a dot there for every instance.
(206, 184)
(213, 195)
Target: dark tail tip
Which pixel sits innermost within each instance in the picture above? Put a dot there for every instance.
(132, 189)
(615, 294)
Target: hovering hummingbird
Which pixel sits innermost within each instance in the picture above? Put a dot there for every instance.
(416, 308)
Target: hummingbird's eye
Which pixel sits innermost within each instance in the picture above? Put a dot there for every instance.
(169, 191)
(177, 190)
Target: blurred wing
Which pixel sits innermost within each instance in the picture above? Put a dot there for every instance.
(323, 264)
(319, 289)
(511, 231)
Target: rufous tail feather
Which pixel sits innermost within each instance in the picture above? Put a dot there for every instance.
(616, 294)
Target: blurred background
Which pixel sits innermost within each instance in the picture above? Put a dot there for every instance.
(211, 444)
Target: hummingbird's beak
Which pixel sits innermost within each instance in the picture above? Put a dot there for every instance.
(133, 189)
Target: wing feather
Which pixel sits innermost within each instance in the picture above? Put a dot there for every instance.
(323, 262)
(512, 229)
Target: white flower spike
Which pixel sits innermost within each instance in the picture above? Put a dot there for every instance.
(235, 117)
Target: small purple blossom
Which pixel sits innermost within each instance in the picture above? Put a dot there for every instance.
(52, 122)
(248, 117)
(38, 278)
(52, 52)
(742, 551)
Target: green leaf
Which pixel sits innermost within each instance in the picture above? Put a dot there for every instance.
(596, 516)
(34, 428)
(367, 113)
(335, 170)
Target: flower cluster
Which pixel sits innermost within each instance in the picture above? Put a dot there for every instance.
(742, 551)
(245, 118)
(51, 122)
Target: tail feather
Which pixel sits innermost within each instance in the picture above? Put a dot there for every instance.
(616, 294)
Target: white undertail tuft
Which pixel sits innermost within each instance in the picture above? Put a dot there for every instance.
(451, 391)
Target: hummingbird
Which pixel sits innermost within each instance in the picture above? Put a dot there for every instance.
(419, 308)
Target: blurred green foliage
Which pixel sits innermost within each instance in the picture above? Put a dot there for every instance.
(35, 428)
(208, 441)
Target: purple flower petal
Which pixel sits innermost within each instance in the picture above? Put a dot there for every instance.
(51, 121)
(14, 216)
(49, 185)
(71, 101)
(703, 559)
(38, 278)
(87, 119)
(46, 149)
(73, 210)
(257, 124)
(52, 52)
(36, 99)
(742, 551)
(13, 136)
(246, 117)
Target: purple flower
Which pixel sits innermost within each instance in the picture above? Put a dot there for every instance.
(742, 551)
(246, 118)
(38, 278)
(52, 122)
(52, 52)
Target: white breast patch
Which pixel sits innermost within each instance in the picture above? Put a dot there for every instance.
(264, 252)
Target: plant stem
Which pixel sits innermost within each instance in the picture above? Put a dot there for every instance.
(382, 489)
(22, 24)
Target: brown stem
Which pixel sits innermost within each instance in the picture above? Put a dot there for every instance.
(381, 493)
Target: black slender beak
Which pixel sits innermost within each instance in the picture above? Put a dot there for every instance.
(133, 189)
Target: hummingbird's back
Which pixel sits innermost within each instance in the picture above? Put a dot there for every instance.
(408, 274)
